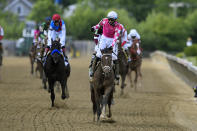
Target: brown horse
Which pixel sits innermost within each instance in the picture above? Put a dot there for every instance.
(32, 57)
(135, 64)
(123, 65)
(103, 85)
(39, 56)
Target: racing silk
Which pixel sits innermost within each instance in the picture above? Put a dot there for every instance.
(109, 30)
(124, 39)
(43, 30)
(57, 31)
(136, 34)
(57, 28)
(36, 36)
(1, 33)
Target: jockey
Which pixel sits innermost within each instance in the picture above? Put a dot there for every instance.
(111, 32)
(36, 35)
(124, 41)
(44, 28)
(56, 30)
(134, 35)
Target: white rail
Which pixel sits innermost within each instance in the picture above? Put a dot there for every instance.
(181, 67)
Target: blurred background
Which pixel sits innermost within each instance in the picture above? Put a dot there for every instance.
(167, 25)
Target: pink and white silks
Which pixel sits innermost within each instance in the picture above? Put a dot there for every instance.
(109, 37)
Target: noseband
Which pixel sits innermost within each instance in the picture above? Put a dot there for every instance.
(106, 69)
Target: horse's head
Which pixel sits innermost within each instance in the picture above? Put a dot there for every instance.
(55, 51)
(133, 49)
(106, 61)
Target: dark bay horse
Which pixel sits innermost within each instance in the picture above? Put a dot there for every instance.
(123, 64)
(135, 64)
(103, 85)
(55, 70)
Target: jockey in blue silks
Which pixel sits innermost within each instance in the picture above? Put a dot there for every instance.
(56, 30)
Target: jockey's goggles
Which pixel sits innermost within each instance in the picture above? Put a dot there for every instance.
(56, 21)
(133, 37)
(111, 19)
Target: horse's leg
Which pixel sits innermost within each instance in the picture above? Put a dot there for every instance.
(41, 70)
(51, 86)
(105, 99)
(65, 93)
(130, 78)
(136, 77)
(139, 75)
(32, 67)
(109, 105)
(93, 101)
(44, 80)
(97, 100)
(122, 83)
(36, 71)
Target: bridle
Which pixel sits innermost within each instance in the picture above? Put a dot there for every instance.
(106, 69)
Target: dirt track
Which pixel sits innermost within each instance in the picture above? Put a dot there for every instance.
(163, 102)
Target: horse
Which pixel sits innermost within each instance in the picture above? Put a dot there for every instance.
(39, 57)
(103, 85)
(135, 64)
(32, 57)
(56, 70)
(123, 65)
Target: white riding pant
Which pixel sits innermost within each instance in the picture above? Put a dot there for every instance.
(54, 35)
(106, 42)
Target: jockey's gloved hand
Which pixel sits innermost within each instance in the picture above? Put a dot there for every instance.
(92, 29)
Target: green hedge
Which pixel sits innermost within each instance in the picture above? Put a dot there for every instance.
(191, 51)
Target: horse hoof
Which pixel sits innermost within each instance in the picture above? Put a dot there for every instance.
(109, 116)
(63, 97)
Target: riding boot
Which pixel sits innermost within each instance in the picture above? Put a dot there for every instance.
(66, 59)
(94, 63)
(117, 77)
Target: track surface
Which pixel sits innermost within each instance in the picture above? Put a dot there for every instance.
(163, 102)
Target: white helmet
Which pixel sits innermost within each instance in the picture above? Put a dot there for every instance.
(112, 14)
(133, 32)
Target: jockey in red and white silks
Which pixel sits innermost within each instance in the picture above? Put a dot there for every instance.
(110, 34)
(124, 40)
(134, 35)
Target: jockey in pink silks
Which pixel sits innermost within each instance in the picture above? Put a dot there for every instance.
(111, 32)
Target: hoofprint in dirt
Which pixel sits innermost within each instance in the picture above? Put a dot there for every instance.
(163, 102)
